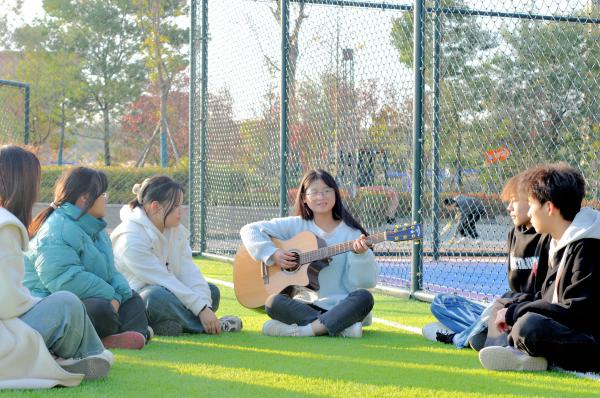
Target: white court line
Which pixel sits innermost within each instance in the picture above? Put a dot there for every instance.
(415, 330)
(397, 325)
(219, 282)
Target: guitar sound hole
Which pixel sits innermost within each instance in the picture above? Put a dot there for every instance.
(293, 269)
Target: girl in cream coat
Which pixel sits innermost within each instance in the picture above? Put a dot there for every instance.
(30, 335)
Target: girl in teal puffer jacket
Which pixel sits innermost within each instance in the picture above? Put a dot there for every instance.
(71, 251)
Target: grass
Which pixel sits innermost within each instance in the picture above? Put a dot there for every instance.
(386, 362)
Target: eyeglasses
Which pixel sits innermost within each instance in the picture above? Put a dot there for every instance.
(325, 192)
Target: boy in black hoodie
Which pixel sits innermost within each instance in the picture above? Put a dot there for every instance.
(527, 260)
(560, 325)
(463, 322)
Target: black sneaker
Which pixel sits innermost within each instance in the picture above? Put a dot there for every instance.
(431, 331)
(167, 328)
(477, 341)
(444, 337)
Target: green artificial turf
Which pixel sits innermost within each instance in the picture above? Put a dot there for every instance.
(386, 362)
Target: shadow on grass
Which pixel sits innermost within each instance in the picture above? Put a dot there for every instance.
(380, 360)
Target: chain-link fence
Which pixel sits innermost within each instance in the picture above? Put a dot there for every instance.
(504, 86)
(14, 112)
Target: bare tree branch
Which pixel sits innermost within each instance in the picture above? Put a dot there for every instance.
(172, 141)
(142, 159)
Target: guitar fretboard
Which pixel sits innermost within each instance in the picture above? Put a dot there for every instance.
(330, 251)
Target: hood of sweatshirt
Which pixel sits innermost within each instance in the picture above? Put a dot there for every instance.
(7, 218)
(137, 216)
(585, 225)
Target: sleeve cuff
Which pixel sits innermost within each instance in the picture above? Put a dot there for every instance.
(199, 306)
(510, 314)
(118, 297)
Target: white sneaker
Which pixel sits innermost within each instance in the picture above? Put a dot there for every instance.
(230, 323)
(92, 367)
(431, 330)
(509, 358)
(354, 331)
(150, 334)
(276, 328)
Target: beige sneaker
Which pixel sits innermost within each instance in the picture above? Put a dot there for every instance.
(276, 328)
(230, 323)
(509, 358)
(353, 331)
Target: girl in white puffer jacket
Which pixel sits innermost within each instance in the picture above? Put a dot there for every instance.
(152, 251)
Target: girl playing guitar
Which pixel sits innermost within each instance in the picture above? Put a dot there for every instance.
(342, 305)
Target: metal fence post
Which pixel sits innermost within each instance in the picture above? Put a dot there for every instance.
(283, 182)
(436, 183)
(199, 186)
(27, 105)
(419, 34)
(192, 123)
(203, 122)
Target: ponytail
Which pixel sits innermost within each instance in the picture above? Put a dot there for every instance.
(39, 220)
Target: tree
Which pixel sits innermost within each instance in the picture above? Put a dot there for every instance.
(464, 44)
(544, 95)
(51, 97)
(162, 44)
(141, 121)
(103, 35)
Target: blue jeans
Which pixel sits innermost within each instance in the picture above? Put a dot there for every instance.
(354, 308)
(455, 312)
(162, 305)
(62, 321)
(462, 316)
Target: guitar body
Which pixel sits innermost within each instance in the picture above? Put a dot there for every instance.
(254, 281)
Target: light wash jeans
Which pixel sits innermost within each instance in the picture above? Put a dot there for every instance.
(462, 316)
(62, 321)
(162, 305)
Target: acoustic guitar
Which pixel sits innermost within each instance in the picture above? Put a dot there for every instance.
(254, 281)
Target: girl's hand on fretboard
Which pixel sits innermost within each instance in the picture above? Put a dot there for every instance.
(360, 245)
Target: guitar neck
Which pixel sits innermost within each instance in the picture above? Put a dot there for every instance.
(330, 251)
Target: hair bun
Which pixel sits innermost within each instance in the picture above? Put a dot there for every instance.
(136, 189)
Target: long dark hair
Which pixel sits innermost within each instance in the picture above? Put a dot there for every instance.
(71, 185)
(339, 211)
(20, 174)
(161, 189)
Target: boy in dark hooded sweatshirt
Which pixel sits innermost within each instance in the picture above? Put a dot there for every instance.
(463, 322)
(559, 326)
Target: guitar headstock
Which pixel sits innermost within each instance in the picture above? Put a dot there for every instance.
(404, 232)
